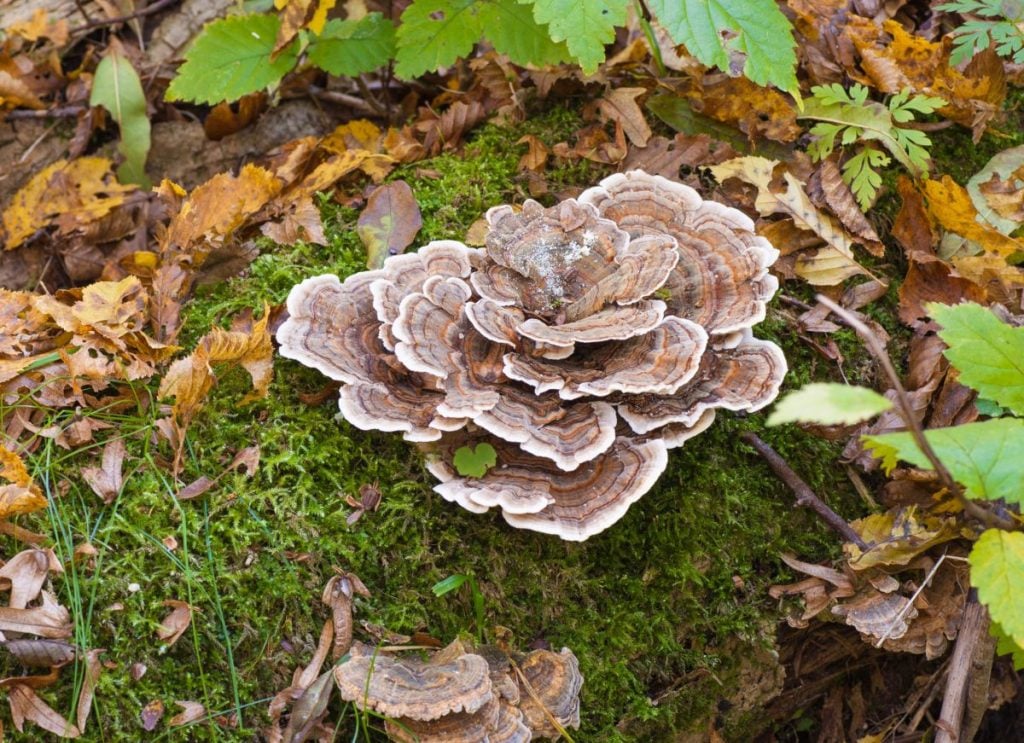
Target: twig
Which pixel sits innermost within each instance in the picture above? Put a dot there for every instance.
(973, 628)
(804, 495)
(61, 112)
(913, 425)
(148, 10)
(333, 96)
(903, 612)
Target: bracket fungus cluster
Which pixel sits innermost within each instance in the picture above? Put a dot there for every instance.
(466, 696)
(582, 343)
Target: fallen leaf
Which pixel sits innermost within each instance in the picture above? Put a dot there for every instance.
(38, 653)
(25, 705)
(190, 712)
(229, 118)
(21, 495)
(24, 575)
(71, 195)
(536, 156)
(106, 480)
(174, 624)
(389, 223)
(620, 105)
(896, 537)
(950, 205)
(996, 189)
(840, 199)
(151, 715)
(195, 488)
(93, 669)
(826, 266)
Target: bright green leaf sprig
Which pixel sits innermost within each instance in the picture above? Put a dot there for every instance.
(847, 117)
(828, 404)
(715, 30)
(999, 23)
(470, 462)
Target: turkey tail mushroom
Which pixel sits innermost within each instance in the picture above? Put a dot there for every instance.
(583, 342)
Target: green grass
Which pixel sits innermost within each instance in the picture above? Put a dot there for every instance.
(667, 610)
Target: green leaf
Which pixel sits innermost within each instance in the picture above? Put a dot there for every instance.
(1005, 645)
(860, 174)
(435, 33)
(118, 89)
(988, 353)
(353, 47)
(869, 121)
(512, 29)
(712, 29)
(986, 458)
(997, 571)
(232, 58)
(828, 404)
(449, 584)
(475, 462)
(585, 26)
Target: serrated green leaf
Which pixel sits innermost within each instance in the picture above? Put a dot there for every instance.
(585, 26)
(988, 353)
(1005, 645)
(435, 33)
(232, 58)
(513, 31)
(997, 571)
(828, 404)
(471, 462)
(983, 457)
(353, 47)
(758, 30)
(116, 87)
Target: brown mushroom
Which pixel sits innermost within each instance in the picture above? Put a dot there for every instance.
(406, 688)
(583, 342)
(550, 691)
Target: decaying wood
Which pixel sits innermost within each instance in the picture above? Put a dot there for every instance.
(971, 663)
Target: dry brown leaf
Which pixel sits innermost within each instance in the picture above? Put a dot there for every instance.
(39, 27)
(226, 118)
(195, 488)
(897, 537)
(38, 653)
(300, 222)
(106, 480)
(49, 620)
(24, 575)
(389, 223)
(93, 669)
(620, 105)
(190, 712)
(933, 280)
(840, 199)
(913, 227)
(826, 266)
(537, 153)
(70, 195)
(666, 157)
(21, 495)
(1006, 196)
(951, 206)
(174, 624)
(26, 705)
(358, 134)
(755, 110)
(338, 595)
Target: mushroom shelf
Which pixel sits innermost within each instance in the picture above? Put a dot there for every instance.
(582, 343)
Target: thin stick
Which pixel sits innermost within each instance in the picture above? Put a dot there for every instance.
(913, 425)
(148, 10)
(61, 112)
(804, 495)
(973, 627)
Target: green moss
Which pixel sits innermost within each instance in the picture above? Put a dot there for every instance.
(665, 610)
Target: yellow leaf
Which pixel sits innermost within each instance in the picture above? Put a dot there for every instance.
(952, 208)
(828, 265)
(897, 537)
(221, 205)
(21, 495)
(72, 195)
(358, 134)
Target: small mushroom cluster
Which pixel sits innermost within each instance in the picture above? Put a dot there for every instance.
(582, 343)
(465, 696)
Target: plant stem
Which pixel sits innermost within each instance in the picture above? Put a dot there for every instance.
(913, 425)
(805, 497)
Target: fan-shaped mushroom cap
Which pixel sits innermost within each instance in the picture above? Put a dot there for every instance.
(533, 494)
(544, 425)
(658, 363)
(405, 688)
(747, 378)
(721, 280)
(555, 680)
